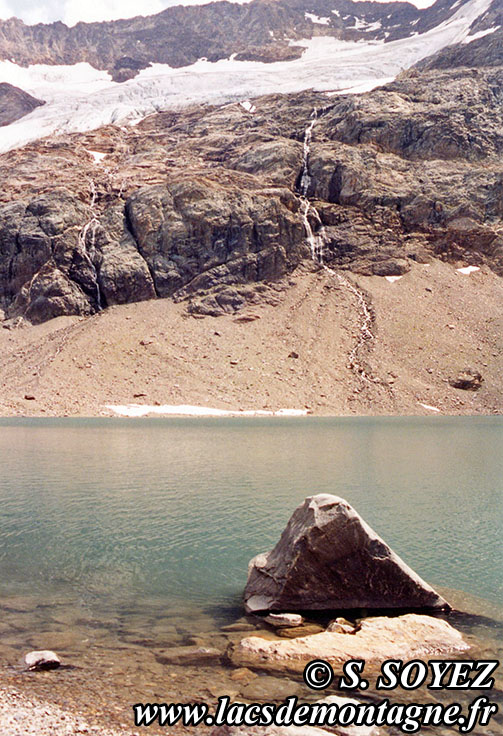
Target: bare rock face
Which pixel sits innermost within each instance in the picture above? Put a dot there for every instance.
(178, 36)
(328, 558)
(202, 204)
(402, 637)
(15, 103)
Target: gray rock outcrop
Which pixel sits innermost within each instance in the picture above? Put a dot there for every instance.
(328, 558)
(15, 103)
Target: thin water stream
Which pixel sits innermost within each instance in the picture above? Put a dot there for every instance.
(316, 241)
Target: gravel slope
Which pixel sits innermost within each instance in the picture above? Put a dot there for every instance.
(428, 326)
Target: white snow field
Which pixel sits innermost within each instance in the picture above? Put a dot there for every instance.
(81, 98)
(188, 410)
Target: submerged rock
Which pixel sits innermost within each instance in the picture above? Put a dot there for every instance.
(42, 660)
(188, 655)
(329, 558)
(279, 620)
(380, 638)
(266, 688)
(304, 630)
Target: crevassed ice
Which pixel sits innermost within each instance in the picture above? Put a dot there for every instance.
(81, 98)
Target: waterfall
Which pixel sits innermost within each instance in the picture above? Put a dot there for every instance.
(91, 226)
(316, 241)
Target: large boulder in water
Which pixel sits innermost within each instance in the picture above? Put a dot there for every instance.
(329, 558)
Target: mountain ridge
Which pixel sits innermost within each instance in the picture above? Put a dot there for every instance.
(261, 30)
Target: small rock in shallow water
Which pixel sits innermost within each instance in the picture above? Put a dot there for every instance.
(243, 674)
(295, 631)
(284, 619)
(42, 660)
(268, 688)
(188, 655)
(341, 626)
(238, 626)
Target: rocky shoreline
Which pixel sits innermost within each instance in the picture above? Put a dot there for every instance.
(257, 658)
(22, 716)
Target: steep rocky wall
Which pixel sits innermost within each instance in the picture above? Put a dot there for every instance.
(14, 103)
(202, 203)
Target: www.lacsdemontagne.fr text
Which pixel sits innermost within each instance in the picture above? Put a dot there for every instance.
(409, 718)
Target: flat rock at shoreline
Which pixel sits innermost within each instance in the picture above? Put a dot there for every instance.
(329, 558)
(42, 660)
(380, 638)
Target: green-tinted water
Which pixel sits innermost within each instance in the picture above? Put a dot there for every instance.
(132, 535)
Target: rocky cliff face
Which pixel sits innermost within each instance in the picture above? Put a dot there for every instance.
(202, 203)
(14, 103)
(261, 30)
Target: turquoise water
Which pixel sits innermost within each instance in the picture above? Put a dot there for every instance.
(107, 511)
(121, 539)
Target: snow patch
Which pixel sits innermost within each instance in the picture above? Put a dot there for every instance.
(188, 410)
(468, 269)
(362, 25)
(480, 34)
(427, 406)
(392, 279)
(248, 106)
(316, 19)
(98, 156)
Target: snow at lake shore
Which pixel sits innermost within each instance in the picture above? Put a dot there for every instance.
(188, 410)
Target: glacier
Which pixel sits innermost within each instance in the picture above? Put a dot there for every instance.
(80, 98)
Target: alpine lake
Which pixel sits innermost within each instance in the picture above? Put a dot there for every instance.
(121, 539)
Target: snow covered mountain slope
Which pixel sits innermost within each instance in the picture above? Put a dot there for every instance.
(79, 97)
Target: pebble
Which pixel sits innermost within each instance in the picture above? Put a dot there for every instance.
(243, 674)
